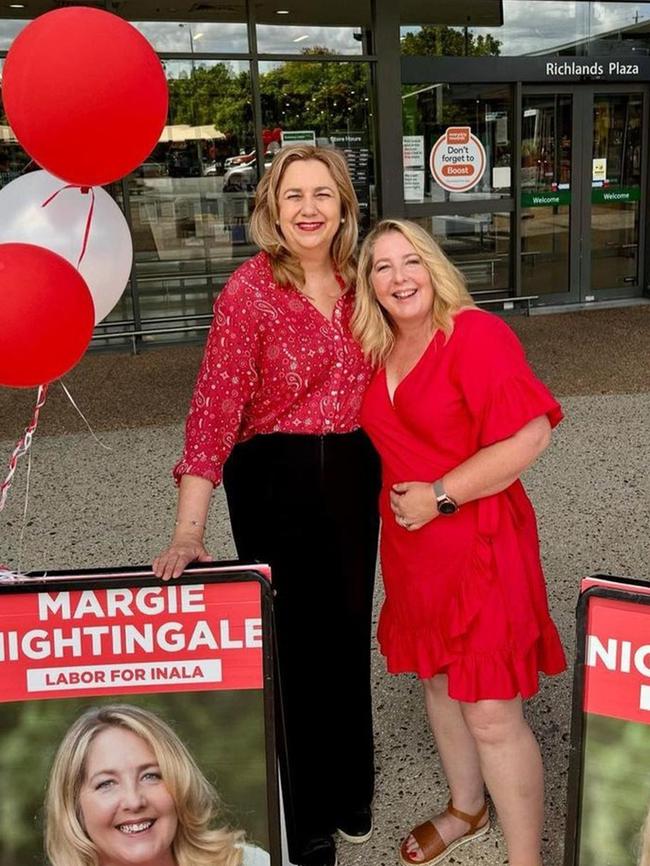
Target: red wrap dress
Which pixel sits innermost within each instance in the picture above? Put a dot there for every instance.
(465, 594)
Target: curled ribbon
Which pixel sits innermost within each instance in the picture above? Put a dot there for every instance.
(84, 190)
(8, 576)
(23, 445)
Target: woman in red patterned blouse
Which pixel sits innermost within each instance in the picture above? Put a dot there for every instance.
(275, 411)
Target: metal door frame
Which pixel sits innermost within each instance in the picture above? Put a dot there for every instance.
(581, 186)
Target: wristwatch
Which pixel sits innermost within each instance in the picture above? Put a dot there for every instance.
(446, 505)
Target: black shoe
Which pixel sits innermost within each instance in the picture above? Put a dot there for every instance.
(321, 853)
(357, 826)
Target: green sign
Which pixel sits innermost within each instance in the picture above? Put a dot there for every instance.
(599, 195)
(298, 136)
(546, 198)
(614, 195)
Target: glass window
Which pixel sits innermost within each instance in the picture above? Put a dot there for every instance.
(328, 104)
(298, 39)
(546, 163)
(619, 28)
(616, 199)
(510, 28)
(516, 28)
(428, 110)
(8, 32)
(190, 202)
(479, 246)
(13, 159)
(197, 37)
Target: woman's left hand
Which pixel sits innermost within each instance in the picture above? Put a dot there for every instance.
(413, 504)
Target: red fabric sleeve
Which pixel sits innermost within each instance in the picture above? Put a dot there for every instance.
(225, 383)
(501, 391)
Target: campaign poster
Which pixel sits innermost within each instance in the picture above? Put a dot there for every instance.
(114, 681)
(609, 789)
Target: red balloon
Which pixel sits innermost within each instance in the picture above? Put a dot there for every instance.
(46, 315)
(85, 94)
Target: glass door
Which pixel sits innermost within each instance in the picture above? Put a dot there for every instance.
(547, 146)
(616, 191)
(582, 176)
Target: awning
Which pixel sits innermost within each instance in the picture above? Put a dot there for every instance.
(185, 132)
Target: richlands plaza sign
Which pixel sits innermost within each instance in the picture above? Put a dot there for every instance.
(571, 68)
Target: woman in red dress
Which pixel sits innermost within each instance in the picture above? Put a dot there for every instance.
(457, 415)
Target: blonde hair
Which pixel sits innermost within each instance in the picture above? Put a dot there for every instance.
(370, 323)
(264, 227)
(196, 801)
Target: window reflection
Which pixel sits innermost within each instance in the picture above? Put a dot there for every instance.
(190, 229)
(479, 246)
(8, 32)
(535, 27)
(615, 199)
(429, 109)
(298, 39)
(13, 159)
(546, 163)
(197, 37)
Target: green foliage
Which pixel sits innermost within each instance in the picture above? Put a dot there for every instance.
(325, 97)
(223, 730)
(212, 95)
(295, 95)
(441, 41)
(616, 791)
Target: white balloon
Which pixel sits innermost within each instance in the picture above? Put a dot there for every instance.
(60, 227)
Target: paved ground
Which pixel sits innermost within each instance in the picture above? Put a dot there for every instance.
(93, 507)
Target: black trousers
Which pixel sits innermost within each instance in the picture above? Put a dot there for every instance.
(307, 505)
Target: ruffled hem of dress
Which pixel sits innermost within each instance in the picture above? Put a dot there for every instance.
(498, 675)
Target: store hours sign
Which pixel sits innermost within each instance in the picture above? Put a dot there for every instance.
(457, 159)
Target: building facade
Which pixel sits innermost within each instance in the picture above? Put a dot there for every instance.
(550, 97)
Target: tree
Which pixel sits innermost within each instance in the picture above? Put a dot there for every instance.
(449, 42)
(212, 95)
(325, 97)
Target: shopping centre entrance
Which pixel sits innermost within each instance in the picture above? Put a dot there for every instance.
(583, 155)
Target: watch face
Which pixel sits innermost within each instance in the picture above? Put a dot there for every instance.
(447, 507)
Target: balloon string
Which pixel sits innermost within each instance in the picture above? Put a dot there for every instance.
(23, 445)
(25, 169)
(21, 537)
(84, 190)
(9, 576)
(89, 220)
(84, 419)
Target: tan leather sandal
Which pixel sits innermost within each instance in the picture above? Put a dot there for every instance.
(431, 842)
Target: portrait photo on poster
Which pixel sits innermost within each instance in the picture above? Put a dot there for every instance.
(163, 770)
(608, 805)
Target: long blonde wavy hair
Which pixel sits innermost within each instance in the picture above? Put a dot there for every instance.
(370, 323)
(265, 230)
(195, 843)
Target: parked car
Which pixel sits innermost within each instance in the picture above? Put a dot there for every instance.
(212, 169)
(241, 159)
(151, 169)
(244, 177)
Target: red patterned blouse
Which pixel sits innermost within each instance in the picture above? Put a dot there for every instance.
(272, 364)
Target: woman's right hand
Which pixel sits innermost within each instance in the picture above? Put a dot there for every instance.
(171, 563)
